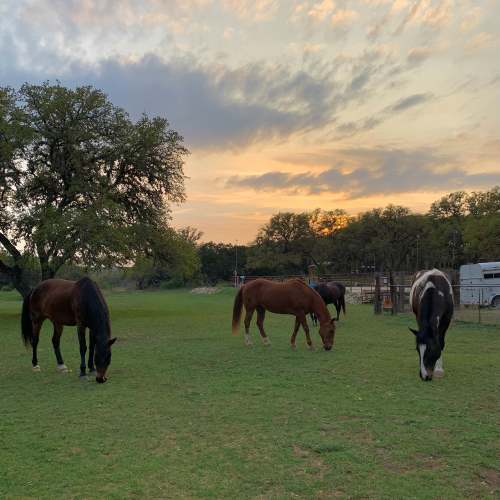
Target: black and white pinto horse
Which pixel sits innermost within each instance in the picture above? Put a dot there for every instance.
(431, 298)
(332, 292)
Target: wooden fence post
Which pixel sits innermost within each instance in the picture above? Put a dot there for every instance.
(394, 292)
(377, 305)
(401, 292)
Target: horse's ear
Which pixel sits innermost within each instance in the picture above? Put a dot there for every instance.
(333, 320)
(413, 331)
(111, 342)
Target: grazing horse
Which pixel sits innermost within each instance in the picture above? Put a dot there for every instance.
(70, 303)
(431, 298)
(293, 297)
(332, 292)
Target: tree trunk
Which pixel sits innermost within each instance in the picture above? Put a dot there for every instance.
(377, 305)
(16, 278)
(15, 273)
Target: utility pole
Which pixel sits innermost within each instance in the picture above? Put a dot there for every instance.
(418, 237)
(236, 266)
(453, 255)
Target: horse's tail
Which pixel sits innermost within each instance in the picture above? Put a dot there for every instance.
(237, 309)
(94, 309)
(26, 323)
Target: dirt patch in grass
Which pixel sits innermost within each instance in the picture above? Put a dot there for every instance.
(205, 290)
(489, 477)
(394, 467)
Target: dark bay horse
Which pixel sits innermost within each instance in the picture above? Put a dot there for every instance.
(293, 297)
(70, 303)
(431, 298)
(332, 292)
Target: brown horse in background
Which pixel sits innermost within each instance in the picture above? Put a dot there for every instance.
(293, 297)
(70, 303)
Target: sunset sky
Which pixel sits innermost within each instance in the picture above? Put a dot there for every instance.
(285, 105)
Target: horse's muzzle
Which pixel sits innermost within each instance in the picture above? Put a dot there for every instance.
(327, 348)
(101, 380)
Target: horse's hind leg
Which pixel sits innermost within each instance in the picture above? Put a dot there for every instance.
(338, 307)
(261, 313)
(92, 370)
(83, 350)
(56, 340)
(314, 319)
(37, 326)
(248, 318)
(294, 334)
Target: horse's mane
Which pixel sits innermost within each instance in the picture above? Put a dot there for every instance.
(93, 309)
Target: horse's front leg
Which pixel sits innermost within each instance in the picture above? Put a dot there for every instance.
(302, 319)
(83, 350)
(56, 341)
(91, 366)
(294, 334)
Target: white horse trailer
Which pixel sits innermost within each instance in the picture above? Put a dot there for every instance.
(480, 284)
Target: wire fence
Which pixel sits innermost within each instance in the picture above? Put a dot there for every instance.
(472, 303)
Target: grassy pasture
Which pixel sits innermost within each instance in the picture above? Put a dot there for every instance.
(190, 412)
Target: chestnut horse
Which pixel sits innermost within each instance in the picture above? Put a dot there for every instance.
(293, 297)
(431, 298)
(332, 292)
(70, 303)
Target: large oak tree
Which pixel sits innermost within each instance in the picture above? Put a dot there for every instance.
(81, 183)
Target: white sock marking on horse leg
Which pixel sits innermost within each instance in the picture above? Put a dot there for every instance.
(423, 371)
(438, 372)
(266, 341)
(247, 339)
(36, 368)
(63, 368)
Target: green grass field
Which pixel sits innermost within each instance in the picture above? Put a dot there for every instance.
(190, 412)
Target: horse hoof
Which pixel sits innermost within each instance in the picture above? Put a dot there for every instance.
(293, 346)
(93, 374)
(249, 344)
(439, 374)
(312, 348)
(62, 368)
(83, 377)
(36, 368)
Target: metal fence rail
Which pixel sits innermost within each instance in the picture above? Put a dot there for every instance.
(478, 311)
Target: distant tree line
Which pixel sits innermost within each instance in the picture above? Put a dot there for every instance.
(459, 228)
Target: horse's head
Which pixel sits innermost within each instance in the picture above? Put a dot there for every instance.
(429, 351)
(103, 359)
(327, 333)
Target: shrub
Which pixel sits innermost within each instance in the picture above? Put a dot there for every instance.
(104, 284)
(8, 288)
(171, 284)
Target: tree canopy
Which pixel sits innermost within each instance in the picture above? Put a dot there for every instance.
(81, 183)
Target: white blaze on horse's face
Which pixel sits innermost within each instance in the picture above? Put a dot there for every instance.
(425, 374)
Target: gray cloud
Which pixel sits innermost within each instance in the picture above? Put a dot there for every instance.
(369, 173)
(410, 101)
